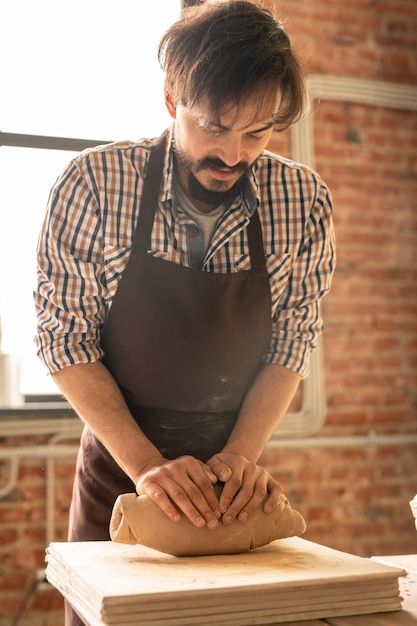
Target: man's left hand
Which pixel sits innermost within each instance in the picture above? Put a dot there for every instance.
(246, 486)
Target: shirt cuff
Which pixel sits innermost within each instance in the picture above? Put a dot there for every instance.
(291, 353)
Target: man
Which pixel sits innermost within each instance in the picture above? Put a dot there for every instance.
(180, 279)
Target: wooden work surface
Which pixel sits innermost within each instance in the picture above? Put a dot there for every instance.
(291, 581)
(408, 590)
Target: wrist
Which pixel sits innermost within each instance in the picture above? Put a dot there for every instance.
(249, 450)
(148, 465)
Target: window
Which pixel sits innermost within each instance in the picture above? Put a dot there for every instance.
(84, 70)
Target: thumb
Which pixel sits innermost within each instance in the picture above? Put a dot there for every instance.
(210, 474)
(220, 469)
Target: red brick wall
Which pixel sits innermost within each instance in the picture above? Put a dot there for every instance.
(353, 498)
(356, 498)
(23, 535)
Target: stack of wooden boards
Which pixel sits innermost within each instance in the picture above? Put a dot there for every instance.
(408, 587)
(288, 580)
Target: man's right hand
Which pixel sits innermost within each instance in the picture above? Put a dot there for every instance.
(183, 484)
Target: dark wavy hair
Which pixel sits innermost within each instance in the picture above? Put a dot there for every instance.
(223, 52)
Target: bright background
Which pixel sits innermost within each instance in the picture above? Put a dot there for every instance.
(87, 70)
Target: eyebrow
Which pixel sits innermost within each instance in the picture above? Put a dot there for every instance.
(265, 126)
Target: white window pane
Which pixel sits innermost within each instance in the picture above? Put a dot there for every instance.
(26, 176)
(87, 68)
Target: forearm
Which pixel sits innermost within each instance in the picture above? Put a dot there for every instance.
(95, 396)
(237, 464)
(185, 482)
(264, 406)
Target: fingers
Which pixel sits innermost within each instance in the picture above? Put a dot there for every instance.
(222, 471)
(185, 485)
(265, 494)
(245, 492)
(275, 491)
(242, 495)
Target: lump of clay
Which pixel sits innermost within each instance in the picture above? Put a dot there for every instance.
(137, 519)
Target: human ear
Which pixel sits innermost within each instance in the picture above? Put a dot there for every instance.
(170, 105)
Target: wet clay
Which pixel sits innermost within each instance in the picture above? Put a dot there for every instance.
(138, 520)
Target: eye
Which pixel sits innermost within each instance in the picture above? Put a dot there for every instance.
(212, 130)
(259, 134)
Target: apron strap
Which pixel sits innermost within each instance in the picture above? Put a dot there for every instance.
(149, 203)
(150, 194)
(256, 244)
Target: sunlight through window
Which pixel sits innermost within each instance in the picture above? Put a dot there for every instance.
(89, 70)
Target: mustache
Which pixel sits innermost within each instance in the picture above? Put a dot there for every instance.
(218, 164)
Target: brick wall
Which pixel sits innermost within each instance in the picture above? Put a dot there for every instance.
(354, 498)
(23, 535)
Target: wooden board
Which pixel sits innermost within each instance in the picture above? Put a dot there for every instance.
(288, 580)
(408, 591)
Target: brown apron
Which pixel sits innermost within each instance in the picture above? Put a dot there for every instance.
(184, 346)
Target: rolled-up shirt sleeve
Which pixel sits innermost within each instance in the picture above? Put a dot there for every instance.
(70, 295)
(297, 323)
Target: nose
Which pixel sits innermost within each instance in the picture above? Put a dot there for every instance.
(230, 150)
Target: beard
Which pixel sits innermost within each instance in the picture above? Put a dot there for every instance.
(216, 198)
(200, 192)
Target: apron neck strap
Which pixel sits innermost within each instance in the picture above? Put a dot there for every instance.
(149, 203)
(255, 242)
(150, 195)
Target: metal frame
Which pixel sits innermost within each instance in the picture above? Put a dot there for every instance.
(19, 140)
